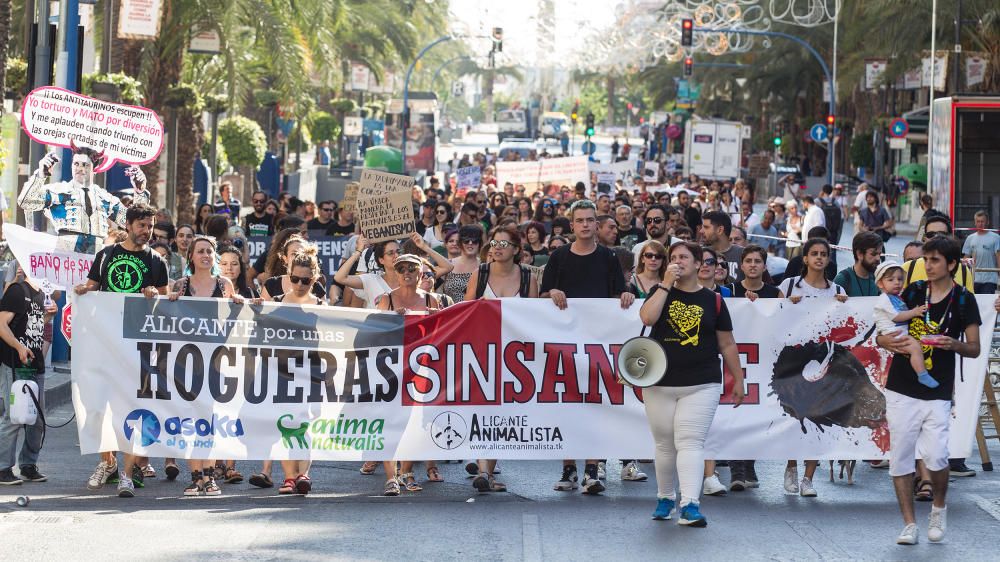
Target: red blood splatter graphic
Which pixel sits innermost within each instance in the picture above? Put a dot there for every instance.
(880, 436)
(839, 334)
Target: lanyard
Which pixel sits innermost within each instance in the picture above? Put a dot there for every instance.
(927, 301)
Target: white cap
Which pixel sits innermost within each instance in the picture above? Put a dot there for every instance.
(885, 267)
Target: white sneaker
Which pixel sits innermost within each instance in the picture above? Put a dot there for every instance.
(713, 487)
(791, 480)
(126, 489)
(937, 525)
(101, 475)
(602, 471)
(909, 535)
(631, 473)
(806, 489)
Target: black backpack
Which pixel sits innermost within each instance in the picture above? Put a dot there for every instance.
(484, 277)
(833, 214)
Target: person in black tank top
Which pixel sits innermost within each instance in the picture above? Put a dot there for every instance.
(753, 264)
(202, 282)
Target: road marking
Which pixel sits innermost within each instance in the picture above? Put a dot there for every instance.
(815, 539)
(989, 506)
(531, 538)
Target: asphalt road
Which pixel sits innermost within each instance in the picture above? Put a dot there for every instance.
(346, 518)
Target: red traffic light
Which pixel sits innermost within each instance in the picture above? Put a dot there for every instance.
(830, 119)
(687, 24)
(629, 106)
(687, 32)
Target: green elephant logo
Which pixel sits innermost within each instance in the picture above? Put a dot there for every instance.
(296, 434)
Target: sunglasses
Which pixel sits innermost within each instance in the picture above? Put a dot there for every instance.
(261, 201)
(502, 244)
(441, 212)
(427, 275)
(655, 220)
(711, 261)
(470, 241)
(652, 256)
(934, 234)
(405, 268)
(326, 209)
(296, 280)
(723, 264)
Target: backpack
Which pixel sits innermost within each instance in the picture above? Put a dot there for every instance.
(832, 213)
(484, 277)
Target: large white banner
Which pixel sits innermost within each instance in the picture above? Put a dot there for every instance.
(512, 379)
(548, 174)
(45, 257)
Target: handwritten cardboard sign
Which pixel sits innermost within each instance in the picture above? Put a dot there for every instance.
(385, 206)
(350, 201)
(126, 133)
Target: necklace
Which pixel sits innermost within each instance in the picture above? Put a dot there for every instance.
(927, 314)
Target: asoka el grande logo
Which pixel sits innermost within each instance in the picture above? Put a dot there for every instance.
(126, 273)
(332, 434)
(449, 430)
(183, 433)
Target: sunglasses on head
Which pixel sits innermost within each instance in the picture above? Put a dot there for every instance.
(652, 256)
(405, 268)
(655, 220)
(502, 244)
(296, 280)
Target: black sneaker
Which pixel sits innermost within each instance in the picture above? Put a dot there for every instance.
(29, 473)
(591, 483)
(137, 477)
(7, 478)
(737, 476)
(959, 469)
(568, 482)
(751, 475)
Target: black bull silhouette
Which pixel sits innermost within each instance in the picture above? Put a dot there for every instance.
(845, 396)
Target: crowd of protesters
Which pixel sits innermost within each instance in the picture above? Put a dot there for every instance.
(689, 240)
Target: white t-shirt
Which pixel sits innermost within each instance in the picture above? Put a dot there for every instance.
(884, 312)
(859, 200)
(814, 217)
(792, 287)
(375, 287)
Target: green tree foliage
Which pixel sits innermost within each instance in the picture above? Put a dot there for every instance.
(243, 140)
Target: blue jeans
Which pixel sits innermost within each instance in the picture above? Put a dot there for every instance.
(984, 288)
(8, 432)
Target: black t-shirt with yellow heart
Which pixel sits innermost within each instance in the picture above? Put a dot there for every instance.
(686, 329)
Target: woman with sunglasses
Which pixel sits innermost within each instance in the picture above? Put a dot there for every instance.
(280, 284)
(497, 202)
(649, 271)
(455, 282)
(534, 237)
(202, 282)
(811, 283)
(707, 269)
(681, 407)
(407, 298)
(499, 276)
(303, 273)
(435, 236)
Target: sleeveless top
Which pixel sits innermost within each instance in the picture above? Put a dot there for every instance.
(455, 285)
(217, 293)
(489, 294)
(281, 298)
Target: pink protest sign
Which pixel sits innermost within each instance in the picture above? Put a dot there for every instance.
(125, 133)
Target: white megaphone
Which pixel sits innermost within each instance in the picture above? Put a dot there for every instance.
(642, 362)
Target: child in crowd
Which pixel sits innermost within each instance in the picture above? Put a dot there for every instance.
(892, 317)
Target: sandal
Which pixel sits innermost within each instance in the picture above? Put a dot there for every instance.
(481, 483)
(233, 476)
(391, 488)
(369, 468)
(434, 475)
(409, 481)
(924, 491)
(497, 486)
(195, 488)
(288, 487)
(148, 471)
(172, 471)
(261, 480)
(210, 488)
(219, 472)
(303, 484)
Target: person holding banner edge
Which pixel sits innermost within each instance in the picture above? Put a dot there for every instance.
(128, 267)
(680, 408)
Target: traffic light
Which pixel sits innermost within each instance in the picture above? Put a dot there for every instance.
(687, 32)
(777, 140)
(830, 119)
(779, 131)
(576, 112)
(590, 125)
(688, 66)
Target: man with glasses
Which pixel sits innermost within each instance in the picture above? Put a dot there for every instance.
(258, 223)
(324, 219)
(656, 228)
(583, 269)
(627, 233)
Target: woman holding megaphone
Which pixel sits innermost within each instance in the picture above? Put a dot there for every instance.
(693, 325)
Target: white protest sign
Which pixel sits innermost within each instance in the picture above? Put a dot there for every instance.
(123, 133)
(139, 19)
(43, 258)
(353, 126)
(549, 174)
(469, 177)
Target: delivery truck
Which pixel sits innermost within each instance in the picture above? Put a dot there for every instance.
(713, 148)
